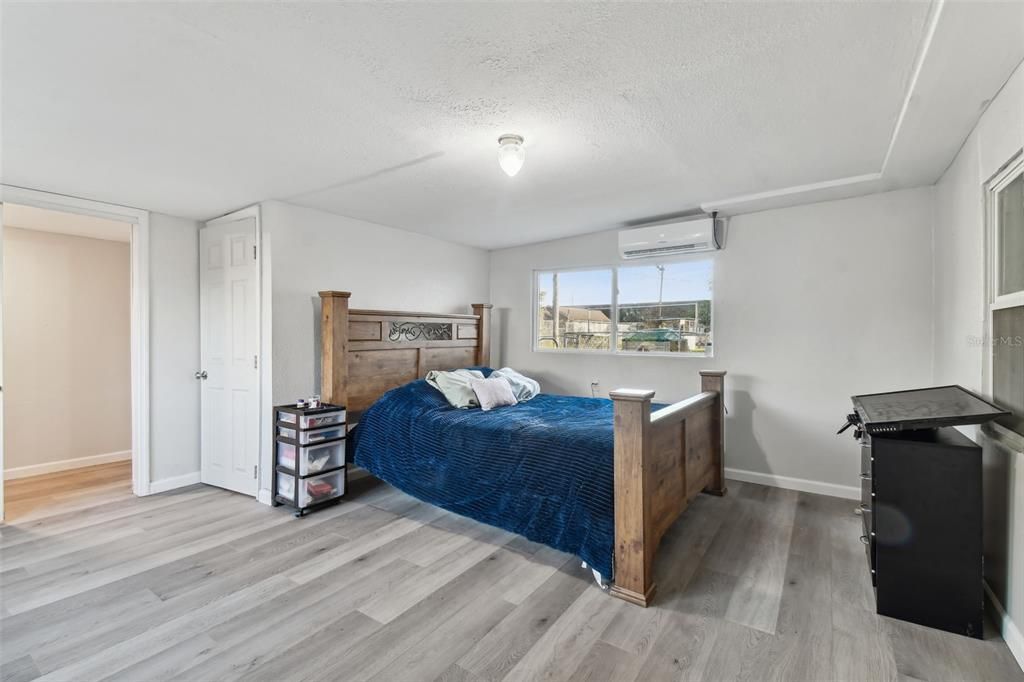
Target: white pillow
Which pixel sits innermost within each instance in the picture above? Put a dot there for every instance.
(491, 393)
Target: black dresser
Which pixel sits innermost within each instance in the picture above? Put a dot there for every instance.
(921, 504)
(921, 507)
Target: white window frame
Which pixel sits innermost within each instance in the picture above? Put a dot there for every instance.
(993, 300)
(614, 336)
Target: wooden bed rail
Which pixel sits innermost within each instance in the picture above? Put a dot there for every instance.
(662, 461)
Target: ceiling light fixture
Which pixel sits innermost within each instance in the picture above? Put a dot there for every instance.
(511, 153)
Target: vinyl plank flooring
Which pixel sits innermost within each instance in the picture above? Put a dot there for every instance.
(370, 656)
(201, 584)
(251, 639)
(928, 654)
(753, 547)
(606, 663)
(21, 669)
(431, 656)
(303, 660)
(689, 631)
(561, 650)
(494, 655)
(386, 607)
(861, 648)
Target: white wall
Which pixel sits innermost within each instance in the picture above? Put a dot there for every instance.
(959, 313)
(67, 351)
(384, 268)
(174, 348)
(811, 305)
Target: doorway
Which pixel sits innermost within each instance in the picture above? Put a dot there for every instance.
(63, 258)
(67, 352)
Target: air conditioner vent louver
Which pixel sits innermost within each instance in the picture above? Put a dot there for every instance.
(636, 253)
(690, 236)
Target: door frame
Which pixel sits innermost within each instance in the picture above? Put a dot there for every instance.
(265, 437)
(139, 220)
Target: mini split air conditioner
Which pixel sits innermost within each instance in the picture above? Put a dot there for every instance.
(671, 239)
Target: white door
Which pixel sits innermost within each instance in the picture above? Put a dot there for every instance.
(229, 308)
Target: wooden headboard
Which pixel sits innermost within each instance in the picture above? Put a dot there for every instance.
(366, 353)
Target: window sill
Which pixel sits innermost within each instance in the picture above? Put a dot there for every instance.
(621, 353)
(1011, 440)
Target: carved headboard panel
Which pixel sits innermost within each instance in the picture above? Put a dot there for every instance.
(366, 353)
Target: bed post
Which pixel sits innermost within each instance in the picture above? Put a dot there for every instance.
(483, 334)
(634, 487)
(333, 346)
(715, 381)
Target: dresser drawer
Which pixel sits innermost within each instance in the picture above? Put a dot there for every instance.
(310, 459)
(866, 493)
(868, 539)
(866, 460)
(312, 435)
(312, 421)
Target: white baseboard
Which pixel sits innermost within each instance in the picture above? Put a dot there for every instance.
(801, 484)
(165, 484)
(1011, 633)
(66, 465)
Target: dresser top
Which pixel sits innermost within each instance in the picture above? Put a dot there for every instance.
(923, 408)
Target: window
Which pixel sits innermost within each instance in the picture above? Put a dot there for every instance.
(1006, 298)
(662, 308)
(574, 310)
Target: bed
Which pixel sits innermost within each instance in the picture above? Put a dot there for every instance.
(603, 479)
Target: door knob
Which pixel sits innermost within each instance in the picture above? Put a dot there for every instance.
(201, 374)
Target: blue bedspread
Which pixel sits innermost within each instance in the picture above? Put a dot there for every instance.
(542, 469)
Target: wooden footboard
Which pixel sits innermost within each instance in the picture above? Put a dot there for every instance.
(662, 461)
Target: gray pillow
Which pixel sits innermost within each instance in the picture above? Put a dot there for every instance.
(491, 393)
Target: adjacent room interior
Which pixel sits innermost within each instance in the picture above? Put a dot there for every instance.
(67, 358)
(512, 341)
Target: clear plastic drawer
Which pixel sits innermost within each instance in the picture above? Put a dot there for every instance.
(286, 486)
(312, 435)
(311, 459)
(310, 421)
(321, 488)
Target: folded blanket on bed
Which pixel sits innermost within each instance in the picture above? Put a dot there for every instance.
(523, 387)
(455, 386)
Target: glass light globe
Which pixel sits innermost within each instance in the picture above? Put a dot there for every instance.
(511, 153)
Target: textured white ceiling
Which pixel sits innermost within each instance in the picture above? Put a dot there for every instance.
(46, 220)
(391, 112)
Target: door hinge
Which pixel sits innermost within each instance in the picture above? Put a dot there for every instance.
(254, 466)
(254, 252)
(255, 362)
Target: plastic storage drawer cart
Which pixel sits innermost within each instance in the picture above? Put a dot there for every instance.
(309, 456)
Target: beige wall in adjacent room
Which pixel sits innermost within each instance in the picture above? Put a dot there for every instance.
(67, 353)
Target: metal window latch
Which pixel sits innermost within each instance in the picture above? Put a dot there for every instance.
(201, 374)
